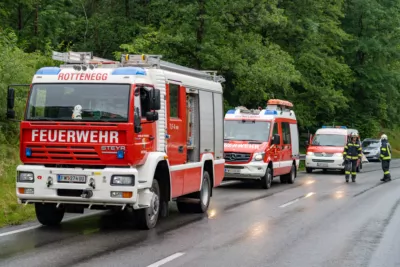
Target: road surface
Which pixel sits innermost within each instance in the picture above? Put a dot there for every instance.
(318, 221)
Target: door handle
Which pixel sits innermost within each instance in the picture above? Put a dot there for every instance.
(180, 149)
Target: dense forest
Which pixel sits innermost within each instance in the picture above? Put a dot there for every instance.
(338, 61)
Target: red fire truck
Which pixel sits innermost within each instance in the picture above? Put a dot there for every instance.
(130, 135)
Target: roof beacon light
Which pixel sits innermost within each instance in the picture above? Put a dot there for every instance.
(279, 102)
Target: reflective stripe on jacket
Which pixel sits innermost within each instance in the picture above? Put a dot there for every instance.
(352, 151)
(386, 151)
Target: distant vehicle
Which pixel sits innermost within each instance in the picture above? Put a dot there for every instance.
(325, 149)
(371, 148)
(261, 144)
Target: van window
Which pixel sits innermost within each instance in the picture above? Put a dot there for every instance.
(286, 133)
(275, 130)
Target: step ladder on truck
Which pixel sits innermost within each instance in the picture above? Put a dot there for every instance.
(130, 135)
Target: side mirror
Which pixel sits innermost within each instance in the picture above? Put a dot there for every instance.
(137, 121)
(10, 98)
(306, 143)
(155, 99)
(276, 140)
(10, 103)
(152, 116)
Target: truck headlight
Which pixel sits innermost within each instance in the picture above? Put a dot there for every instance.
(25, 177)
(310, 153)
(258, 156)
(123, 180)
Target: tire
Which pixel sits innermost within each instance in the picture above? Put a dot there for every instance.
(147, 218)
(266, 180)
(202, 198)
(49, 214)
(292, 175)
(324, 170)
(309, 170)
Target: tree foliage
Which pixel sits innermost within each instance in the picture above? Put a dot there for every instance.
(337, 60)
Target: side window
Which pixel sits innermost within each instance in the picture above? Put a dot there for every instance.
(286, 133)
(174, 100)
(275, 130)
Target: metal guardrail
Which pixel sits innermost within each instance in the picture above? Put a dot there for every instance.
(302, 156)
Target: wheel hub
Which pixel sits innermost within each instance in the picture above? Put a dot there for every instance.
(204, 192)
(154, 206)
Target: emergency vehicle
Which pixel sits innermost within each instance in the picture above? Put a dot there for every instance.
(134, 135)
(260, 143)
(325, 148)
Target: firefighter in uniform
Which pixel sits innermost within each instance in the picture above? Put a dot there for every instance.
(351, 154)
(386, 156)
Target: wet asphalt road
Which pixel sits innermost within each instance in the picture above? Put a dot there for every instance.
(318, 221)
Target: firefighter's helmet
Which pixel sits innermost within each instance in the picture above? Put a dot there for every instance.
(384, 137)
(354, 135)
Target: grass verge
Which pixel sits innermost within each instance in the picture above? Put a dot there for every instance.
(394, 140)
(11, 213)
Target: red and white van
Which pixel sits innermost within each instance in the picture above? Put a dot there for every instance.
(262, 143)
(325, 148)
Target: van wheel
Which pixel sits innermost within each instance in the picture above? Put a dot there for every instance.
(266, 180)
(291, 176)
(202, 198)
(48, 214)
(147, 218)
(309, 170)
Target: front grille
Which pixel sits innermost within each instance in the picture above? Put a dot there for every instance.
(69, 192)
(323, 160)
(237, 157)
(57, 152)
(323, 154)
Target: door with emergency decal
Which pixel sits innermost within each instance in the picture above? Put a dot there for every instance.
(176, 131)
(286, 153)
(274, 151)
(176, 116)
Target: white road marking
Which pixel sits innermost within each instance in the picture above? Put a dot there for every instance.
(296, 200)
(39, 225)
(167, 259)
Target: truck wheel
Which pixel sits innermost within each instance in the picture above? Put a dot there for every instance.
(147, 218)
(48, 214)
(309, 170)
(266, 180)
(202, 198)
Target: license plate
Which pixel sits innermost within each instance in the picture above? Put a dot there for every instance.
(232, 170)
(322, 164)
(67, 178)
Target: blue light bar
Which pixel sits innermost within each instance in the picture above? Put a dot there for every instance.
(28, 152)
(120, 154)
(129, 71)
(231, 111)
(48, 71)
(270, 112)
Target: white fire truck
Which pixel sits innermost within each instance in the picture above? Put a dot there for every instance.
(262, 143)
(134, 134)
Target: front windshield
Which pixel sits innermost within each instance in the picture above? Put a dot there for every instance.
(247, 130)
(371, 144)
(329, 140)
(83, 102)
